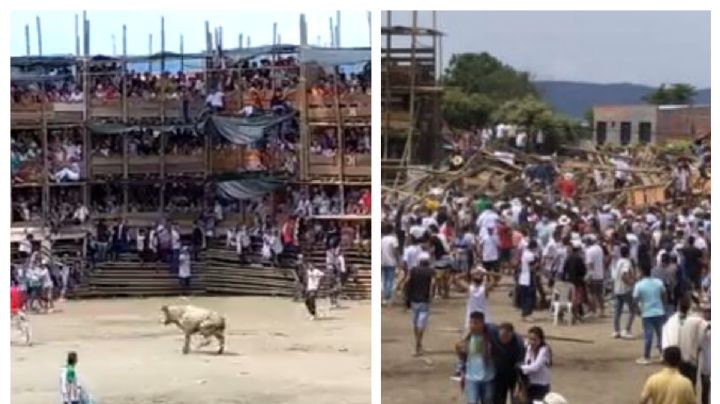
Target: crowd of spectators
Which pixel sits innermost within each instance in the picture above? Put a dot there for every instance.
(106, 199)
(144, 142)
(26, 156)
(66, 207)
(353, 83)
(26, 204)
(65, 148)
(106, 145)
(183, 197)
(185, 142)
(357, 200)
(144, 198)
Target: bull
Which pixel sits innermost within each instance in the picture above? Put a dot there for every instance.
(196, 320)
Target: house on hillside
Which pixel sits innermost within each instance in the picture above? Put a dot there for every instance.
(633, 124)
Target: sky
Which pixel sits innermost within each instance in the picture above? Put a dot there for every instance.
(642, 47)
(58, 29)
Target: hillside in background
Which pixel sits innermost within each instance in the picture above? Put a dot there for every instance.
(574, 98)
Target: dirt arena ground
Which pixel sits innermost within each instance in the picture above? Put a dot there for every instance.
(600, 372)
(274, 354)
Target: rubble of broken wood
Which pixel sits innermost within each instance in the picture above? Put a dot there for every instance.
(499, 173)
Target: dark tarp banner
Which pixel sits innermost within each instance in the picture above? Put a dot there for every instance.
(249, 188)
(242, 130)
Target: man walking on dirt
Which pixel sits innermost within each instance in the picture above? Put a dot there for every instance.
(417, 298)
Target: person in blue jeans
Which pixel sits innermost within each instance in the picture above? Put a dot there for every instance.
(475, 353)
(650, 292)
(390, 257)
(623, 279)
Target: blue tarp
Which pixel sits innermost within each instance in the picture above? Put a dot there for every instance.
(249, 188)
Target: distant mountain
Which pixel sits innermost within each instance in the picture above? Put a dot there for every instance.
(574, 98)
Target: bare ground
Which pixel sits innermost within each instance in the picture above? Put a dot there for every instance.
(274, 354)
(602, 371)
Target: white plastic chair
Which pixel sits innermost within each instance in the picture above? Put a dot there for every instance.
(562, 301)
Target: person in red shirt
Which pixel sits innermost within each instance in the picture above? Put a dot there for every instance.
(365, 201)
(505, 234)
(17, 316)
(566, 187)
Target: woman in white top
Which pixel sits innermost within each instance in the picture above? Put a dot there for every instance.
(538, 359)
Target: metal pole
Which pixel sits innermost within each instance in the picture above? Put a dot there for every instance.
(332, 34)
(77, 36)
(27, 40)
(386, 86)
(248, 41)
(240, 41)
(112, 38)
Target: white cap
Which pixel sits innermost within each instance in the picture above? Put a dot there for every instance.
(553, 398)
(423, 257)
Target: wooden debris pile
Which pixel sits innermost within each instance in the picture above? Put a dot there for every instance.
(512, 173)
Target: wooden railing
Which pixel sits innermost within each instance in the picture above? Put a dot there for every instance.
(357, 165)
(351, 106)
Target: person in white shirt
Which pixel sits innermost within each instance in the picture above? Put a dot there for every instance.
(705, 359)
(184, 269)
(487, 219)
(175, 246)
(215, 101)
(623, 281)
(313, 277)
(490, 246)
(685, 331)
(536, 366)
(81, 214)
(595, 261)
(389, 251)
(526, 291)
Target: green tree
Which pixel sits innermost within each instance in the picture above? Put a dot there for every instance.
(463, 110)
(481, 73)
(678, 93)
(528, 112)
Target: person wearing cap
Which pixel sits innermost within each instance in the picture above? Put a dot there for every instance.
(184, 271)
(686, 331)
(418, 296)
(668, 385)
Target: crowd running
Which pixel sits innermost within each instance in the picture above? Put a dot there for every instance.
(565, 260)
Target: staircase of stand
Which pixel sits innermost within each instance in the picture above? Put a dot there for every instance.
(129, 277)
(218, 271)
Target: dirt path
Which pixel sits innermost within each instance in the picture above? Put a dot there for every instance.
(275, 355)
(601, 372)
